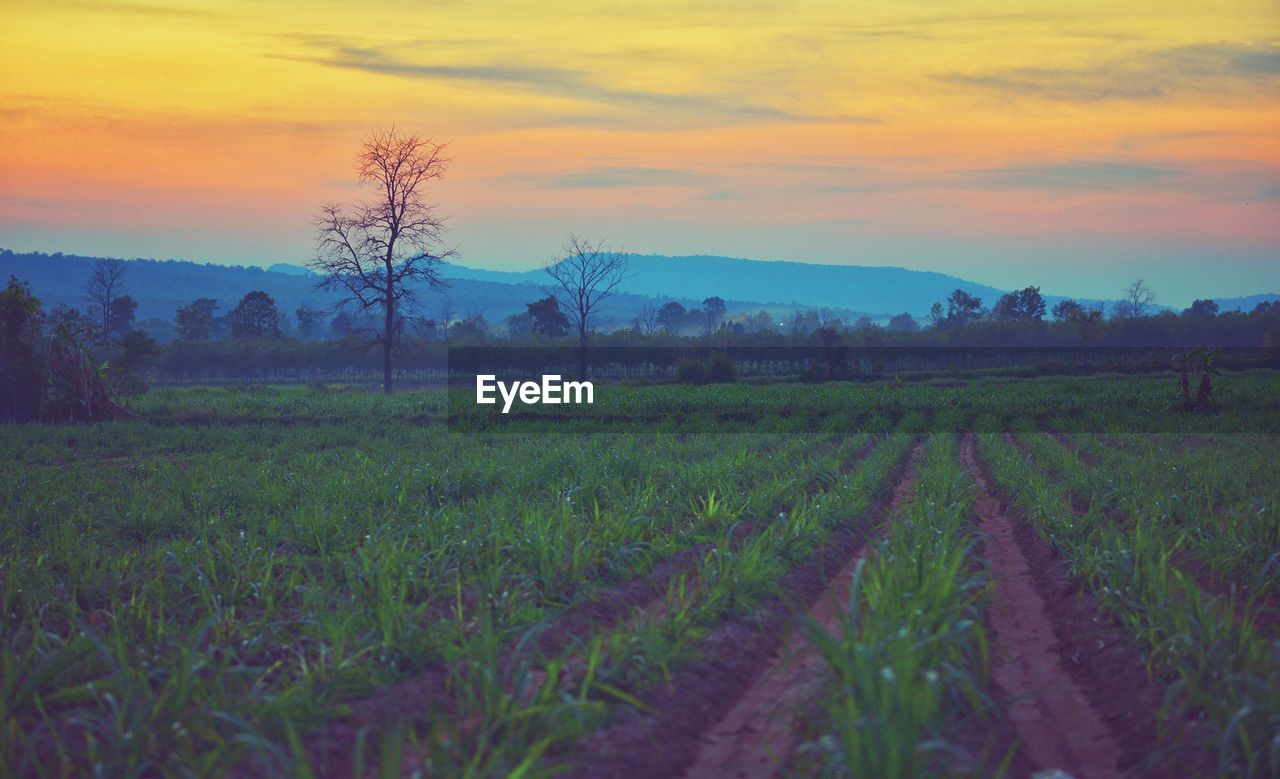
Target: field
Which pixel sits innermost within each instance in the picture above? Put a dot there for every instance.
(873, 580)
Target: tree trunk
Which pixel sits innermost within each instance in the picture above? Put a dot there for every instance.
(582, 352)
(386, 344)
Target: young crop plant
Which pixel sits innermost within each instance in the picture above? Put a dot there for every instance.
(909, 660)
(1213, 507)
(1212, 661)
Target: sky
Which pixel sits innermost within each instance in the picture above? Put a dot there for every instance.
(1074, 146)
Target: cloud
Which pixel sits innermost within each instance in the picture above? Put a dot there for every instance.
(1075, 176)
(1225, 181)
(611, 177)
(571, 84)
(138, 9)
(1268, 193)
(1207, 67)
(1143, 141)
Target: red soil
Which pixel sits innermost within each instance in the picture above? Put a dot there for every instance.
(702, 693)
(755, 737)
(1263, 610)
(426, 696)
(1081, 699)
(1052, 716)
(1066, 443)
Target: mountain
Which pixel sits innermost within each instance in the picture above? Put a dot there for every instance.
(292, 270)
(880, 290)
(161, 286)
(1247, 303)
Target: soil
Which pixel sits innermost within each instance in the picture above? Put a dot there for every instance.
(1088, 458)
(1080, 698)
(755, 738)
(1263, 611)
(1053, 719)
(698, 698)
(426, 697)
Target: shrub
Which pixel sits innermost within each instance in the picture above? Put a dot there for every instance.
(45, 378)
(716, 369)
(690, 370)
(721, 368)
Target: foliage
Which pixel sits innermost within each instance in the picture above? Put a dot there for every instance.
(21, 369)
(46, 377)
(309, 320)
(120, 320)
(1026, 305)
(210, 589)
(197, 319)
(715, 368)
(547, 318)
(255, 316)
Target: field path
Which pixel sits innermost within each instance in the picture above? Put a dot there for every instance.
(1051, 715)
(754, 738)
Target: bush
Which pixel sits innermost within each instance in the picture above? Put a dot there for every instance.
(721, 368)
(691, 371)
(716, 369)
(45, 378)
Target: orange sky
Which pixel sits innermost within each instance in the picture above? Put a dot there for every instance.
(1009, 144)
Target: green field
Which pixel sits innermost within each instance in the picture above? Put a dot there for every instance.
(295, 581)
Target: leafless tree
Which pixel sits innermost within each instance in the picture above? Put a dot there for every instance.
(647, 319)
(1137, 298)
(105, 285)
(379, 253)
(446, 318)
(585, 274)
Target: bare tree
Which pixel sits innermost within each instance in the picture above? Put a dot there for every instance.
(647, 319)
(446, 317)
(586, 274)
(1137, 298)
(378, 254)
(105, 285)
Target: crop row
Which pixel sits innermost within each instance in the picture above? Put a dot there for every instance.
(1212, 663)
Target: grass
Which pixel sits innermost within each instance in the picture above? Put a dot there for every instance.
(909, 659)
(1212, 661)
(199, 592)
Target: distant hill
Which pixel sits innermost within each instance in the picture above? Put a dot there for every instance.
(161, 286)
(880, 290)
(1247, 303)
(292, 270)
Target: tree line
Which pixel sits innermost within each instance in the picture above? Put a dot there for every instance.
(380, 254)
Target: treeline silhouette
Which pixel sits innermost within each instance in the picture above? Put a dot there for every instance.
(249, 341)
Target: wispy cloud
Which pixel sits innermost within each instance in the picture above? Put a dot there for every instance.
(1082, 175)
(1268, 193)
(1144, 76)
(620, 177)
(138, 9)
(560, 82)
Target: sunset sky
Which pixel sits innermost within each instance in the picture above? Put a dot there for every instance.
(1008, 143)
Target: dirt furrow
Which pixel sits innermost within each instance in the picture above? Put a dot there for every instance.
(1263, 610)
(1053, 718)
(699, 694)
(1120, 732)
(426, 696)
(1088, 458)
(754, 738)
